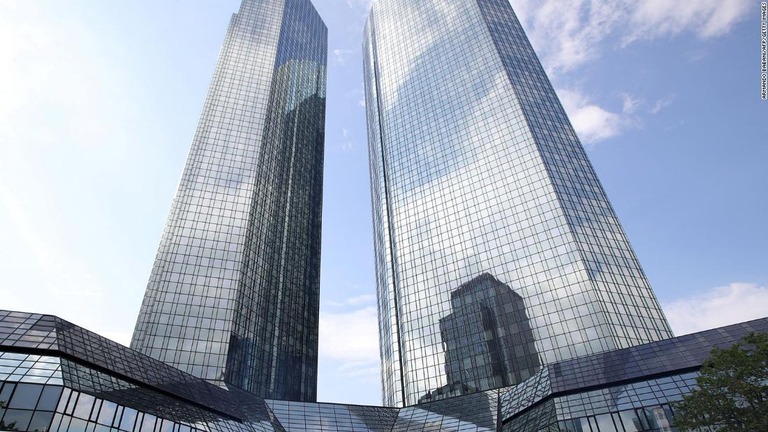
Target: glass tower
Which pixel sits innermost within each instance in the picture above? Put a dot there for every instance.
(497, 250)
(233, 296)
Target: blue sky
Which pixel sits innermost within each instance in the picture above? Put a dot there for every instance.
(99, 102)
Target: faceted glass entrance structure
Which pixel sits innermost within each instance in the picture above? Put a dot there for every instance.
(476, 172)
(56, 376)
(233, 296)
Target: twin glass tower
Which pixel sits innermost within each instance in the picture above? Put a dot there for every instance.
(233, 296)
(496, 248)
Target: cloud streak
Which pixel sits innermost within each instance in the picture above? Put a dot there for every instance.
(360, 4)
(352, 339)
(721, 306)
(569, 34)
(662, 103)
(340, 55)
(594, 123)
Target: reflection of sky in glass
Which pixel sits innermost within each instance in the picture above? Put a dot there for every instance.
(29, 369)
(476, 169)
(331, 417)
(234, 290)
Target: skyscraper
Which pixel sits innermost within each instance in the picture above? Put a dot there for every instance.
(233, 296)
(477, 173)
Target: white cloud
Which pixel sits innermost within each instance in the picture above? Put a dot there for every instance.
(340, 55)
(122, 338)
(569, 34)
(695, 55)
(346, 143)
(718, 307)
(366, 369)
(411, 36)
(593, 123)
(706, 18)
(662, 103)
(629, 103)
(354, 301)
(361, 4)
(351, 339)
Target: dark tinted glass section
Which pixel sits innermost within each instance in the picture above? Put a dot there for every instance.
(41, 421)
(25, 396)
(49, 398)
(6, 391)
(273, 348)
(17, 419)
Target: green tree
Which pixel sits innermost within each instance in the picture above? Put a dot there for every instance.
(11, 426)
(733, 389)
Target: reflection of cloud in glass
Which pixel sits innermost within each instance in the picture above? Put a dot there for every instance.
(476, 169)
(234, 293)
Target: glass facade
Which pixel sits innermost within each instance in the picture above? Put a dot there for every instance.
(627, 390)
(509, 298)
(302, 416)
(59, 377)
(55, 376)
(497, 250)
(233, 296)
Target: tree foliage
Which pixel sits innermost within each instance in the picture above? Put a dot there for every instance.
(733, 389)
(3, 426)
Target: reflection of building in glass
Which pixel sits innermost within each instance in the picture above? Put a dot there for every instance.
(233, 297)
(487, 338)
(475, 169)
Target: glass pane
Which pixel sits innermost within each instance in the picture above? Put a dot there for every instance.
(129, 418)
(107, 413)
(56, 422)
(65, 422)
(585, 425)
(605, 424)
(63, 400)
(72, 402)
(167, 426)
(78, 425)
(95, 411)
(25, 396)
(630, 421)
(84, 405)
(5, 393)
(41, 421)
(148, 423)
(18, 419)
(49, 398)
